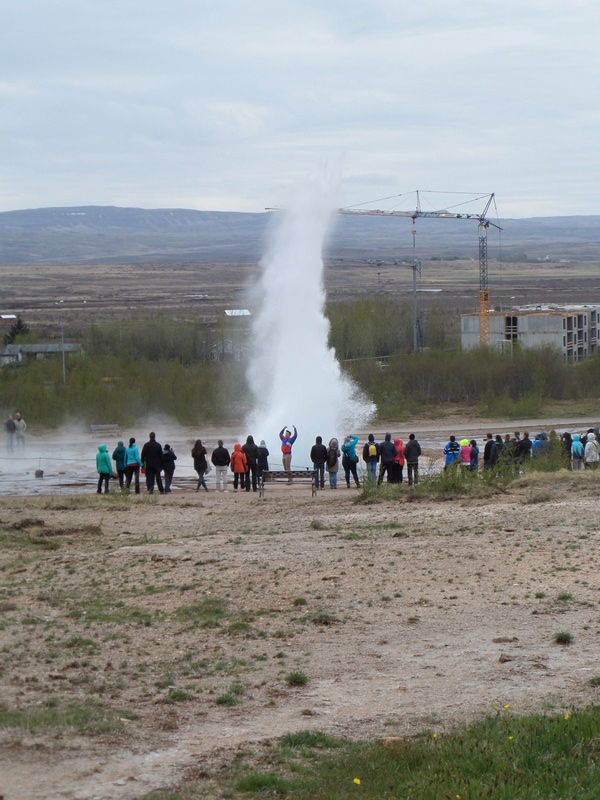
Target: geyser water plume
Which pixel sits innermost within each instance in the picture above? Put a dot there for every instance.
(293, 374)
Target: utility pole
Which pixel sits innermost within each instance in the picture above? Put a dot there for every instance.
(62, 340)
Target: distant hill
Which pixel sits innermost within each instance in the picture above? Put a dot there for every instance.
(108, 234)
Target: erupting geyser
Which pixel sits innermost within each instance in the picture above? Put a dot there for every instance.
(293, 374)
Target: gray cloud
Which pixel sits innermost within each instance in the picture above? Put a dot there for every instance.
(221, 105)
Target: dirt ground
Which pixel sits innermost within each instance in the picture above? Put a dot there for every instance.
(181, 620)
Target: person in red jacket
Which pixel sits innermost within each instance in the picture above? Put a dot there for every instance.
(239, 466)
(398, 465)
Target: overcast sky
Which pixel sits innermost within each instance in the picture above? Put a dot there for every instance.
(221, 105)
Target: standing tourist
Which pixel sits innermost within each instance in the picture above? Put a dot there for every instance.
(451, 453)
(370, 456)
(387, 453)
(169, 458)
(350, 459)
(262, 464)
(318, 456)
(132, 465)
(118, 456)
(220, 460)
(591, 455)
(104, 467)
(251, 451)
(490, 452)
(412, 451)
(200, 463)
(333, 465)
(152, 460)
(474, 464)
(20, 428)
(239, 466)
(576, 453)
(287, 440)
(10, 428)
(398, 465)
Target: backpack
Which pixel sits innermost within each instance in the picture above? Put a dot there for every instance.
(372, 450)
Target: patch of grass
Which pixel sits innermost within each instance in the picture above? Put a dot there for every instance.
(266, 784)
(564, 597)
(317, 525)
(90, 717)
(300, 601)
(296, 678)
(205, 613)
(178, 696)
(499, 758)
(563, 638)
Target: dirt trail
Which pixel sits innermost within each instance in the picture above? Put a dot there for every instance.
(401, 616)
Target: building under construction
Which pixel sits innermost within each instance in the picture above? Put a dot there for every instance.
(572, 329)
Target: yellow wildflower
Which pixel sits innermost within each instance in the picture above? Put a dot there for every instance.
(357, 781)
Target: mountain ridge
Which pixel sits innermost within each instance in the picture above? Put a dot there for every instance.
(115, 234)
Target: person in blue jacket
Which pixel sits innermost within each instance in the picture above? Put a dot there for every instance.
(132, 465)
(451, 452)
(350, 459)
(104, 467)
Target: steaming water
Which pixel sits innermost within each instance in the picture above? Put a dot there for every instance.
(293, 374)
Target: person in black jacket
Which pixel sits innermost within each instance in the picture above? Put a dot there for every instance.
(200, 463)
(169, 459)
(152, 460)
(387, 453)
(318, 456)
(490, 452)
(251, 451)
(262, 463)
(220, 458)
(412, 451)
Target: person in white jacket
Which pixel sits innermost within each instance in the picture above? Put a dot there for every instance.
(592, 452)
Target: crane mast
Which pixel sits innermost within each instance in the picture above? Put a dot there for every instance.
(483, 224)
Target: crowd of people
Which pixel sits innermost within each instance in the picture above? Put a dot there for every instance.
(578, 451)
(387, 459)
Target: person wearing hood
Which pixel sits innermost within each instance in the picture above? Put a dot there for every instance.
(350, 460)
(591, 455)
(576, 452)
(239, 466)
(465, 454)
(318, 456)
(118, 457)
(104, 467)
(333, 465)
(474, 462)
(262, 463)
(398, 465)
(370, 456)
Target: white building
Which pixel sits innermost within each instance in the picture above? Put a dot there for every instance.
(572, 329)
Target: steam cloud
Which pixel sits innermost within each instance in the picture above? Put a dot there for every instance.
(293, 374)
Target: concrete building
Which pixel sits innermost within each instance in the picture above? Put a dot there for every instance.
(572, 329)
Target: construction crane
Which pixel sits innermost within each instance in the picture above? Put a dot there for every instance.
(483, 224)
